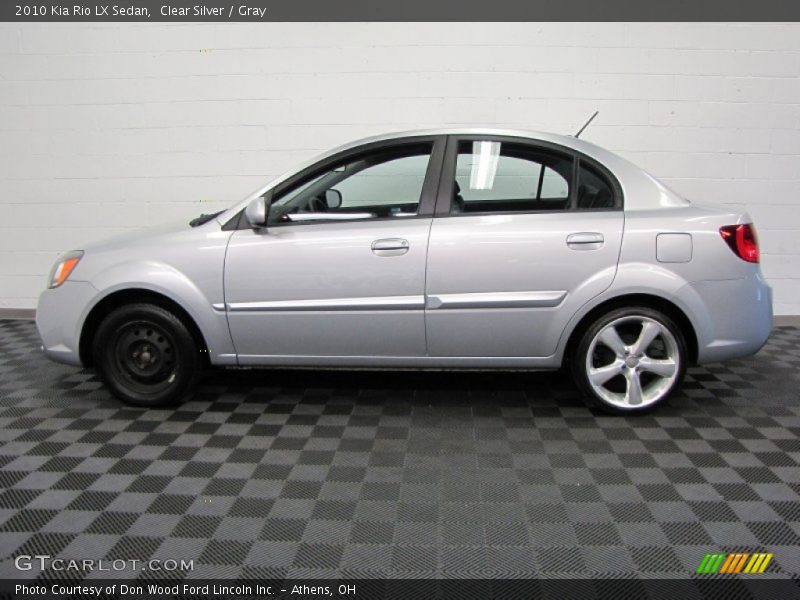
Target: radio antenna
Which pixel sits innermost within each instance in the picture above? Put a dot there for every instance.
(580, 131)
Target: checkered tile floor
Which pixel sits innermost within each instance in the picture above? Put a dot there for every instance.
(306, 474)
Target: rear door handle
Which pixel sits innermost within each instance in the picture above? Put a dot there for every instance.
(585, 240)
(390, 247)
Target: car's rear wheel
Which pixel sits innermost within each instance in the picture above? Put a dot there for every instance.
(146, 355)
(630, 360)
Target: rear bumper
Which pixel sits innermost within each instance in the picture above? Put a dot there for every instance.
(59, 317)
(735, 319)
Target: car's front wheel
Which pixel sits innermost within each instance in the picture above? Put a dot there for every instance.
(146, 355)
(630, 360)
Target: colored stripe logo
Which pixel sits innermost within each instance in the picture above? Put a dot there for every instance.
(734, 563)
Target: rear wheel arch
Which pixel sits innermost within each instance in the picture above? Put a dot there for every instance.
(670, 309)
(133, 296)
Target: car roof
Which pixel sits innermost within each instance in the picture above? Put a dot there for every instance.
(567, 141)
(640, 189)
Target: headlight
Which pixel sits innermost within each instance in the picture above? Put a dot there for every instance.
(62, 269)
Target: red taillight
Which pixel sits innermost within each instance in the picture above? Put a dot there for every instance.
(742, 240)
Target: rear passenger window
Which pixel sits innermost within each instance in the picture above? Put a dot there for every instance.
(502, 177)
(594, 190)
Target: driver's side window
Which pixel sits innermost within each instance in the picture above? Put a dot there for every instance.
(384, 184)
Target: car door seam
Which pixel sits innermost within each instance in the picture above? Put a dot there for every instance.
(225, 293)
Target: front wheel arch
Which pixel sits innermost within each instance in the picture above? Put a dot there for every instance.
(134, 296)
(647, 300)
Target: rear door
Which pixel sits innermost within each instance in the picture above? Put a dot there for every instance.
(525, 233)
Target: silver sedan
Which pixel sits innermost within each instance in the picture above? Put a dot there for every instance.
(445, 249)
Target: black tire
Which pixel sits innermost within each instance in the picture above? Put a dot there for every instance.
(146, 355)
(661, 388)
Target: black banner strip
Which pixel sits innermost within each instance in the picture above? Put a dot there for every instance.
(217, 11)
(416, 589)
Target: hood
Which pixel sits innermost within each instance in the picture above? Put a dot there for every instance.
(148, 236)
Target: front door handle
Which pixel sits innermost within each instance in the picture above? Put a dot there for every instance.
(585, 240)
(390, 247)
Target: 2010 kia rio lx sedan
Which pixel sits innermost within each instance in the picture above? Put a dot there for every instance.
(432, 249)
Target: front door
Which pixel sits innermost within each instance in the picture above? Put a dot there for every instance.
(338, 275)
(524, 235)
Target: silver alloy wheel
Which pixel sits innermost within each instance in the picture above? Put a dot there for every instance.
(651, 355)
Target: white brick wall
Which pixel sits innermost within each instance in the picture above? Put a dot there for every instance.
(105, 127)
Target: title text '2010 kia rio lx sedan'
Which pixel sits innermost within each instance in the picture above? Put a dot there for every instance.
(431, 249)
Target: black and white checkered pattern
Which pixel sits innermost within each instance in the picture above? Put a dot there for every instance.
(307, 474)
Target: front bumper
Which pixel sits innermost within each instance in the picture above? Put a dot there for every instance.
(59, 319)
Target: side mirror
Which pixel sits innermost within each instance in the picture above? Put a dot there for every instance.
(333, 198)
(257, 212)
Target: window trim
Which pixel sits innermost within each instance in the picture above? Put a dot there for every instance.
(428, 195)
(448, 172)
(604, 173)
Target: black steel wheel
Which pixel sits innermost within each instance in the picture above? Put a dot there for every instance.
(146, 355)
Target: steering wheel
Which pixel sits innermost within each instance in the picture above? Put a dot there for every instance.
(318, 204)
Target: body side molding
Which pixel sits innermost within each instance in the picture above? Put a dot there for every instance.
(328, 304)
(542, 299)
